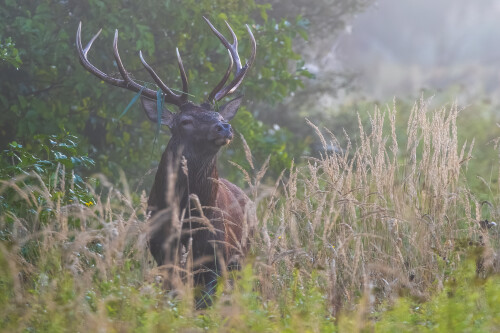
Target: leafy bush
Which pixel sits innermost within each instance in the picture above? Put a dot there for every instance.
(9, 53)
(35, 181)
(55, 159)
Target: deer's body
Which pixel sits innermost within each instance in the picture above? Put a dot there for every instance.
(230, 212)
(222, 217)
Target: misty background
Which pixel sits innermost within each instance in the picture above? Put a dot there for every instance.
(398, 48)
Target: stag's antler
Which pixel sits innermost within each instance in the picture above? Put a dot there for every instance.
(220, 91)
(127, 82)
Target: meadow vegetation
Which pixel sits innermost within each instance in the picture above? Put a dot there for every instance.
(379, 227)
(373, 236)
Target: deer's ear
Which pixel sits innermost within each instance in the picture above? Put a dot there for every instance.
(150, 105)
(229, 109)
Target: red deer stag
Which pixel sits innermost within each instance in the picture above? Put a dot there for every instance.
(198, 133)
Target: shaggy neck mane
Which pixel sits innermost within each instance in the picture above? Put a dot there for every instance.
(202, 178)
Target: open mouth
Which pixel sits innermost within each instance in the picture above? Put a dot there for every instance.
(222, 141)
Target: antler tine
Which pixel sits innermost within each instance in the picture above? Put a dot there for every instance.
(239, 76)
(127, 82)
(156, 78)
(185, 88)
(82, 53)
(238, 79)
(254, 46)
(233, 48)
(220, 92)
(126, 77)
(222, 82)
(89, 45)
(170, 96)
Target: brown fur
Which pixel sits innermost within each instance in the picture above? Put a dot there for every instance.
(197, 133)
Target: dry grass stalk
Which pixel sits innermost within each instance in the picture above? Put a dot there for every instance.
(375, 214)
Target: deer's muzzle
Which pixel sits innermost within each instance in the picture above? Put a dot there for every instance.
(223, 133)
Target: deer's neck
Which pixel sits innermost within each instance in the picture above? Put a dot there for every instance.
(202, 178)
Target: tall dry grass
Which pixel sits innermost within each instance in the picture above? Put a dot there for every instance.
(59, 254)
(374, 219)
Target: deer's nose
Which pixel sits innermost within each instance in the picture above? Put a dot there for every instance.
(220, 127)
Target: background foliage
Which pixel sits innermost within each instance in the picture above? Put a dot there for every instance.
(9, 53)
(52, 93)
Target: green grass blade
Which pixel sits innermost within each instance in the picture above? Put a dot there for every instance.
(134, 99)
(159, 109)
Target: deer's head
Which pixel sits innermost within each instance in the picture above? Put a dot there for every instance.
(195, 127)
(198, 128)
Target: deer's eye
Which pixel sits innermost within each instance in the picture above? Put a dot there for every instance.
(186, 122)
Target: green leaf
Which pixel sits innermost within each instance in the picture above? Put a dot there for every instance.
(263, 14)
(159, 109)
(134, 99)
(59, 156)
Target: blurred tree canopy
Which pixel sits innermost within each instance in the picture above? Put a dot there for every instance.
(325, 20)
(51, 93)
(9, 53)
